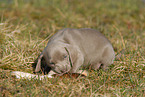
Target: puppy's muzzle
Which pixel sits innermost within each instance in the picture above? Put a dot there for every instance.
(52, 65)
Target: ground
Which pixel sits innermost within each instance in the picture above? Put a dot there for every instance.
(27, 25)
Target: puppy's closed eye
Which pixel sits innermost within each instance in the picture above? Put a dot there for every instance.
(65, 56)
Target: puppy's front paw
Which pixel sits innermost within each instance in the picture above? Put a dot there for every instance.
(83, 72)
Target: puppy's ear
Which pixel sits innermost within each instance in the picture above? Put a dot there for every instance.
(72, 53)
(38, 66)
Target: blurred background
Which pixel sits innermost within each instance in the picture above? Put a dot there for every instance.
(27, 25)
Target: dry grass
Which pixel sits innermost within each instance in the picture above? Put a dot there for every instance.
(26, 26)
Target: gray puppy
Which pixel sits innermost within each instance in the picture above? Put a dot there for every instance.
(69, 49)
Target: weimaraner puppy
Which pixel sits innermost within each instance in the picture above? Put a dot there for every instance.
(70, 49)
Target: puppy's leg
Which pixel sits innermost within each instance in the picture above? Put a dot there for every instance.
(77, 58)
(107, 58)
(77, 64)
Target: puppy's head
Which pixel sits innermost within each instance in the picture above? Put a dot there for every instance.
(59, 57)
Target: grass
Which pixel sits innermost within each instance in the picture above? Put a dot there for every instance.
(27, 25)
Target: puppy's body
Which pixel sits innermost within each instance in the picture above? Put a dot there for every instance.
(86, 47)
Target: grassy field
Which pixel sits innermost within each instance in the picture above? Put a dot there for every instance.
(27, 25)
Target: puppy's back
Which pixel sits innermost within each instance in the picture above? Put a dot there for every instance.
(91, 42)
